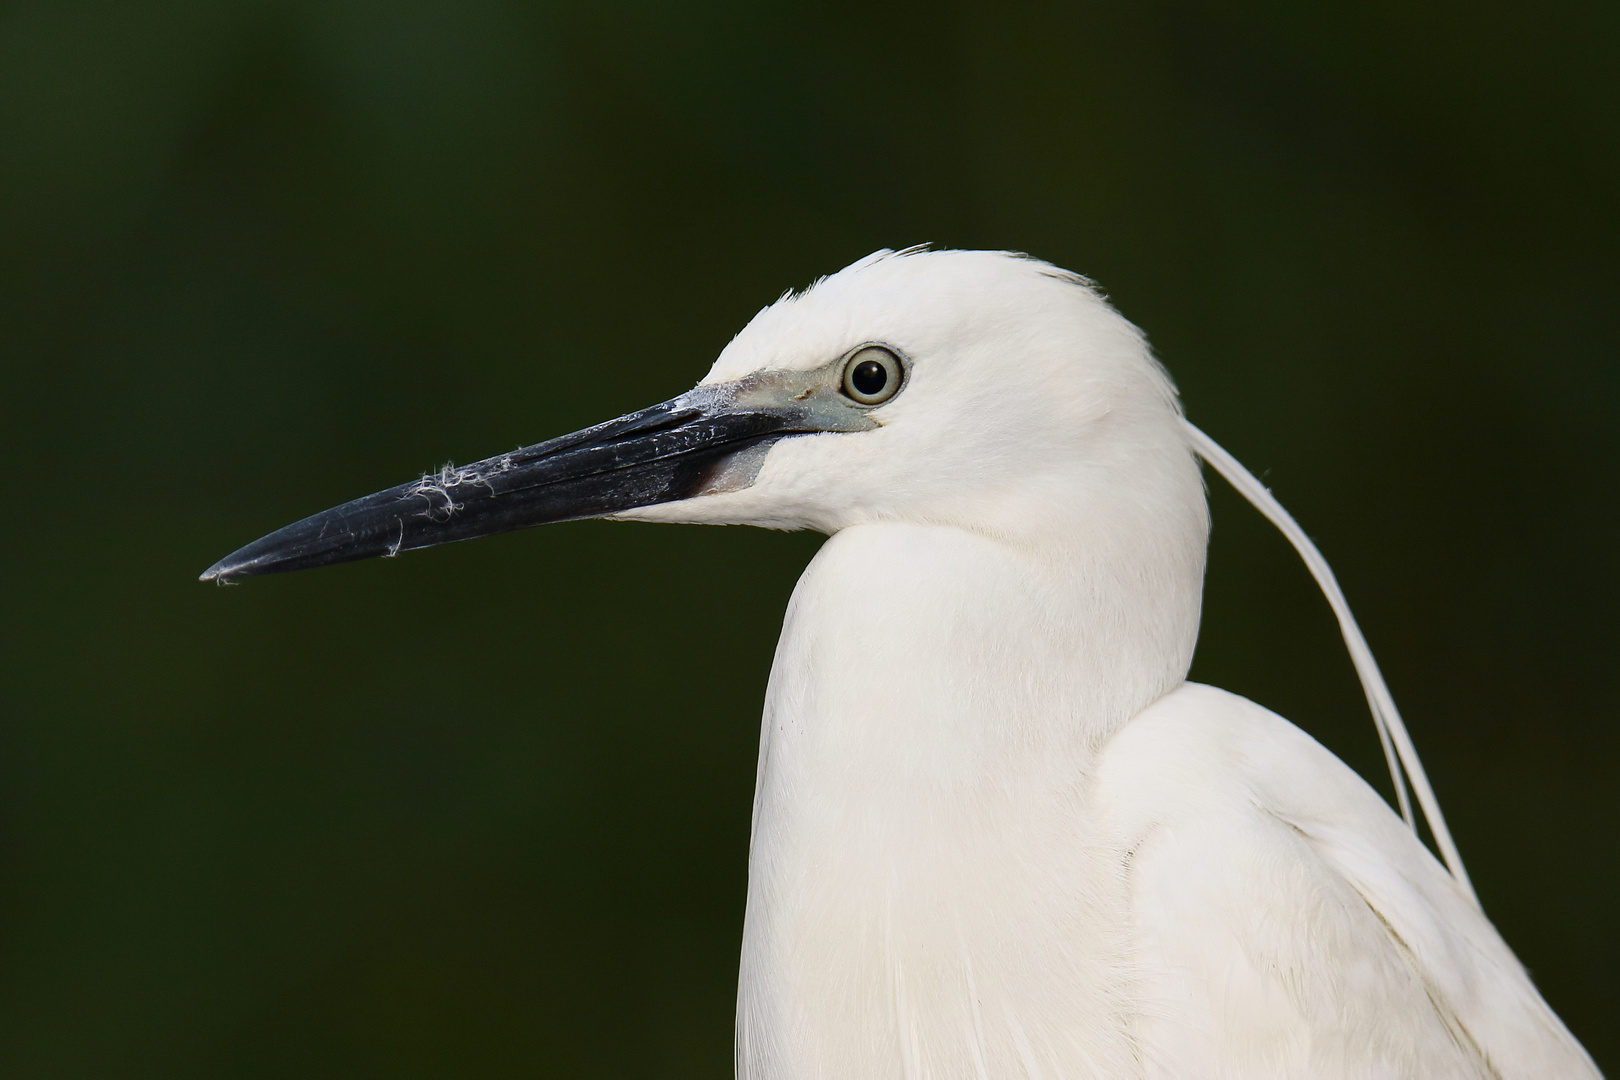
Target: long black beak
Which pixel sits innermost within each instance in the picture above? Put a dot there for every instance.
(667, 452)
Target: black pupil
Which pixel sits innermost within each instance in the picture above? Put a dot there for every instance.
(869, 377)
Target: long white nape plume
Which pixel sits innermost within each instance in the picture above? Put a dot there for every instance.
(1399, 752)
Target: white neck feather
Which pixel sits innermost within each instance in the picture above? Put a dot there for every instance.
(935, 709)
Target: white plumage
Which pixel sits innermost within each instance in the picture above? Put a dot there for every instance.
(996, 834)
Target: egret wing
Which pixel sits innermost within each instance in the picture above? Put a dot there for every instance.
(1287, 923)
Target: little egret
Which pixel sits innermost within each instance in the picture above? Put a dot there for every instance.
(996, 833)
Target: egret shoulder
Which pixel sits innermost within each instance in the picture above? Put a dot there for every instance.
(1288, 924)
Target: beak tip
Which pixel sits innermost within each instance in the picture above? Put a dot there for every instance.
(224, 572)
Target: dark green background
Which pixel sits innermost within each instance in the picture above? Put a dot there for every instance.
(482, 811)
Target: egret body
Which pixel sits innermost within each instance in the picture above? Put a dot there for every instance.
(996, 833)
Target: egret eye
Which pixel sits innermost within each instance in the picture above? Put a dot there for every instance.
(872, 375)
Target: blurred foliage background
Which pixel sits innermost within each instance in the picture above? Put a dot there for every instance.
(483, 811)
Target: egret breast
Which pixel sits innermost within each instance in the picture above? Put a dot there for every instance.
(927, 892)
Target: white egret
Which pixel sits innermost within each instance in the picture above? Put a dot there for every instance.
(996, 833)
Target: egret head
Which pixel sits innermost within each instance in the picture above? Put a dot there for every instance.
(979, 390)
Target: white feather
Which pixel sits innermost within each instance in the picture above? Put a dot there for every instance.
(996, 834)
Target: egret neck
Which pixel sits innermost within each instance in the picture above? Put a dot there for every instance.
(928, 871)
